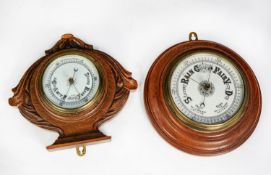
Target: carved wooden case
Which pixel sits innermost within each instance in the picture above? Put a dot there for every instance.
(78, 127)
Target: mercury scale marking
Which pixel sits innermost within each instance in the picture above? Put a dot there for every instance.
(207, 88)
(70, 81)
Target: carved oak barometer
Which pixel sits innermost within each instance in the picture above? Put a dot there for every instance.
(202, 97)
(72, 90)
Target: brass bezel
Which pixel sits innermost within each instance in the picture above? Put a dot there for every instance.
(89, 104)
(201, 127)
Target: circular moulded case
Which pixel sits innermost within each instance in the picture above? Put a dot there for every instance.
(185, 134)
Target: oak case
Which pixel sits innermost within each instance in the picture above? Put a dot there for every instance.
(80, 126)
(182, 135)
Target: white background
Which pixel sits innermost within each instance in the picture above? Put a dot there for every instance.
(135, 33)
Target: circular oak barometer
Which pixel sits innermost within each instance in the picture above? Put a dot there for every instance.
(72, 90)
(202, 97)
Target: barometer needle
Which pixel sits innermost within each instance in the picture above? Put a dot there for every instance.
(203, 103)
(71, 82)
(209, 73)
(74, 71)
(76, 90)
(64, 97)
(194, 80)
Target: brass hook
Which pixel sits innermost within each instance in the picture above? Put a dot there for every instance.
(193, 35)
(81, 152)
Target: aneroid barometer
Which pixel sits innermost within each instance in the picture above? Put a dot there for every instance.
(202, 97)
(72, 90)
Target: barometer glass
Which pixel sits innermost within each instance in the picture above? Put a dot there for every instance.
(206, 87)
(70, 81)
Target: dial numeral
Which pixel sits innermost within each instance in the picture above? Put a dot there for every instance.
(188, 100)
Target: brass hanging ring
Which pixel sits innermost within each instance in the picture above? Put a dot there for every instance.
(81, 152)
(193, 35)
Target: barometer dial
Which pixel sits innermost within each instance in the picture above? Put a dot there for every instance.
(70, 81)
(206, 87)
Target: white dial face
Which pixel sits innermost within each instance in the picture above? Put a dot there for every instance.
(70, 81)
(207, 88)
